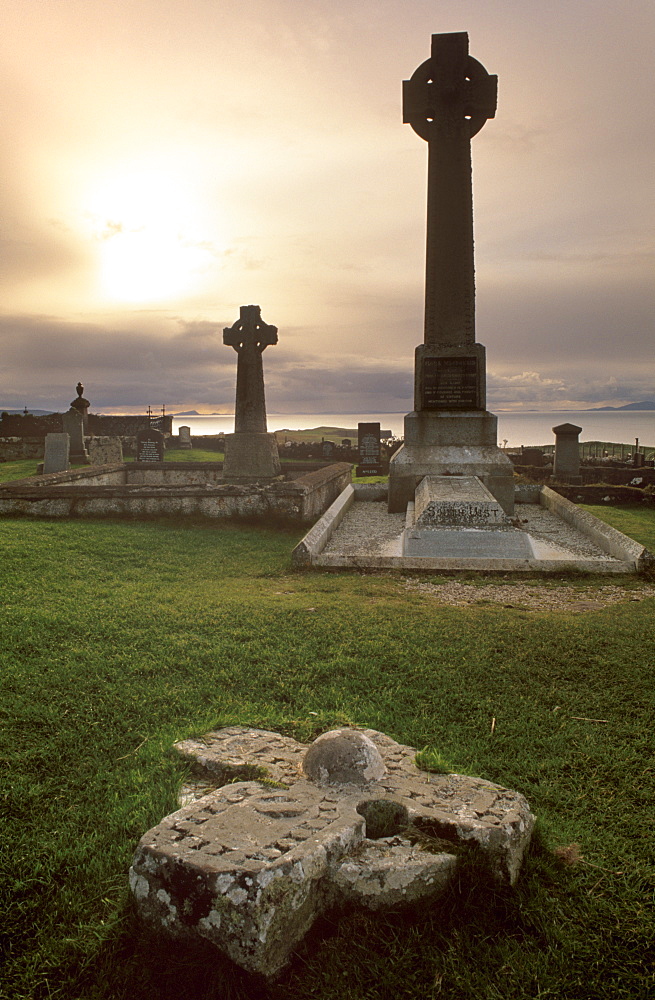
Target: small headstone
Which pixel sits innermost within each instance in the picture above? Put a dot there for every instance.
(369, 450)
(150, 446)
(57, 450)
(185, 437)
(328, 449)
(105, 449)
(566, 465)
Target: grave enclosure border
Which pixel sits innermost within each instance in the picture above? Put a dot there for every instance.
(179, 489)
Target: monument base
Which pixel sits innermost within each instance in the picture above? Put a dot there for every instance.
(251, 455)
(450, 443)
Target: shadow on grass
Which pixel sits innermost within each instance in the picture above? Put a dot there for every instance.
(463, 942)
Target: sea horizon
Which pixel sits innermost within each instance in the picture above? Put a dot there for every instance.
(515, 428)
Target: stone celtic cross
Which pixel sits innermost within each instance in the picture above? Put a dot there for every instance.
(249, 337)
(447, 101)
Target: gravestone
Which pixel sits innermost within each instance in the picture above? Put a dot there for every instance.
(57, 450)
(566, 463)
(73, 425)
(368, 446)
(185, 437)
(447, 101)
(105, 449)
(150, 445)
(251, 452)
(327, 449)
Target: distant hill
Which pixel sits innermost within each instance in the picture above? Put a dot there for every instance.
(32, 413)
(648, 404)
(187, 413)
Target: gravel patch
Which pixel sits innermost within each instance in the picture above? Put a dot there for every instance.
(531, 597)
(552, 532)
(369, 529)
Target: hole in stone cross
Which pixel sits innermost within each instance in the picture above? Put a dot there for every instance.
(437, 837)
(383, 818)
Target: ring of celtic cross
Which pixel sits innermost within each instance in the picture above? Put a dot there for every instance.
(475, 77)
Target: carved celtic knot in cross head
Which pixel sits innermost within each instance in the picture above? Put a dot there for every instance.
(449, 90)
(250, 332)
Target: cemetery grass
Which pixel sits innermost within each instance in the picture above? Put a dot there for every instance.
(629, 519)
(119, 638)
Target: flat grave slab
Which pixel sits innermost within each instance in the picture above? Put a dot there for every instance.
(457, 501)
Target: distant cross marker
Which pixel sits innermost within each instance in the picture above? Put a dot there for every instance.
(447, 100)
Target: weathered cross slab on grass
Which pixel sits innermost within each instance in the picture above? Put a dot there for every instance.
(301, 830)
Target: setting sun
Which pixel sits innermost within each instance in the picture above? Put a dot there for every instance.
(148, 264)
(150, 248)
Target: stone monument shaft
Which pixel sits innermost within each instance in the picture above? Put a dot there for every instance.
(249, 337)
(447, 101)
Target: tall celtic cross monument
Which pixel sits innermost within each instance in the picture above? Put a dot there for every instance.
(447, 101)
(250, 453)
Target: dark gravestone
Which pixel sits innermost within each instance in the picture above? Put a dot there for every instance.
(73, 424)
(566, 461)
(328, 449)
(150, 446)
(368, 436)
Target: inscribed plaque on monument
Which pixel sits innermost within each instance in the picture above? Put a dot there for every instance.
(450, 383)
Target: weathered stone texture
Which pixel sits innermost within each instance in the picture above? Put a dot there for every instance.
(104, 492)
(250, 866)
(104, 450)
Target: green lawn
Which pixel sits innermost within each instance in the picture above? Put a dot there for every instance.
(20, 469)
(118, 638)
(630, 520)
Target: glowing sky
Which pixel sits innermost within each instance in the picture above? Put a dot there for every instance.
(166, 162)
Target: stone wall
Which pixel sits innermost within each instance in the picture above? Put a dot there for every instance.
(174, 473)
(593, 474)
(103, 492)
(604, 493)
(126, 426)
(104, 450)
(13, 449)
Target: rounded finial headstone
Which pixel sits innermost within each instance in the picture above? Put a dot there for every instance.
(343, 757)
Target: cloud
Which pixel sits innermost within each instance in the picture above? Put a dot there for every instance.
(183, 363)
